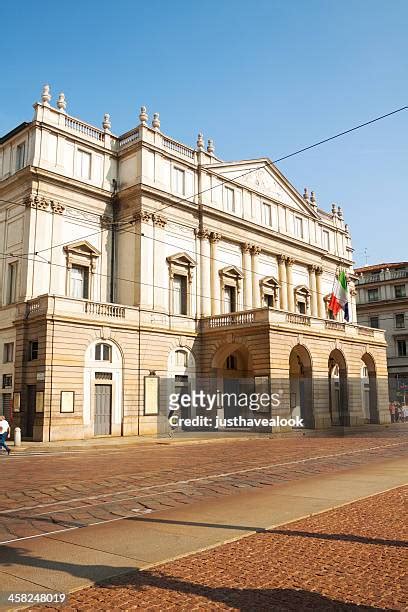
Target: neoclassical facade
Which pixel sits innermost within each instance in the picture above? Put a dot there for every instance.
(136, 264)
(382, 302)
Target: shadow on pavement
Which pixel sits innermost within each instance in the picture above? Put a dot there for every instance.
(115, 582)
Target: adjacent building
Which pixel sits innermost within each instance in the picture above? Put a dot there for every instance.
(382, 302)
(133, 263)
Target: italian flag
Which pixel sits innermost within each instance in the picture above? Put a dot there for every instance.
(339, 297)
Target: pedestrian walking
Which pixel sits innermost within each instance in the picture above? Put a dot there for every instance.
(4, 433)
(392, 411)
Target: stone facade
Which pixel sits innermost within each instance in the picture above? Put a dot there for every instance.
(135, 259)
(382, 302)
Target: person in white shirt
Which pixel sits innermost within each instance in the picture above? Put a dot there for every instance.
(4, 433)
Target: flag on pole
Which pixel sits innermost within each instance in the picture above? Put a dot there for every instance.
(339, 297)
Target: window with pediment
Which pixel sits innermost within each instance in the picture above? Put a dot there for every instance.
(181, 267)
(270, 292)
(81, 262)
(231, 284)
(302, 299)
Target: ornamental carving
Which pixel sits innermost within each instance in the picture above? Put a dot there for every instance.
(142, 216)
(159, 221)
(215, 237)
(202, 234)
(57, 208)
(246, 247)
(255, 250)
(261, 180)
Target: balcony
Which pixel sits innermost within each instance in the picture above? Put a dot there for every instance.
(289, 320)
(87, 311)
(129, 317)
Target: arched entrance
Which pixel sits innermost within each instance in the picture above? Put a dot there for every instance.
(369, 389)
(181, 379)
(301, 387)
(338, 393)
(234, 379)
(102, 409)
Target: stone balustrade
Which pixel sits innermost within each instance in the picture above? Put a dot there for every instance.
(131, 317)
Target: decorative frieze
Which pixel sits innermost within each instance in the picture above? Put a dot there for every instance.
(42, 203)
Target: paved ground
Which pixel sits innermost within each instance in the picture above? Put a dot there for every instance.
(55, 491)
(352, 558)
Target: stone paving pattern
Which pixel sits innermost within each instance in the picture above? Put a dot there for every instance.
(351, 558)
(81, 489)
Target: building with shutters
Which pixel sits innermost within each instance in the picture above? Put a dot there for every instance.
(382, 303)
(130, 263)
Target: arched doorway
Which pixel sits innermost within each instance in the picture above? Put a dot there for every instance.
(369, 389)
(338, 393)
(234, 380)
(181, 380)
(301, 386)
(102, 409)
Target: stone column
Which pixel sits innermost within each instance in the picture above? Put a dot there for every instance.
(144, 263)
(247, 270)
(289, 282)
(312, 286)
(256, 293)
(215, 279)
(321, 312)
(205, 274)
(160, 277)
(283, 296)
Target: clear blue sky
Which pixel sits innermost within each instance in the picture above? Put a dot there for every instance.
(262, 78)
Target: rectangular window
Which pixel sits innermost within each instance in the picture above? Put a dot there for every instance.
(402, 348)
(7, 381)
(20, 155)
(269, 301)
(179, 181)
(374, 322)
(267, 214)
(299, 227)
(301, 307)
(230, 300)
(373, 295)
(8, 352)
(326, 240)
(399, 291)
(33, 350)
(400, 320)
(179, 294)
(12, 282)
(83, 164)
(229, 199)
(79, 284)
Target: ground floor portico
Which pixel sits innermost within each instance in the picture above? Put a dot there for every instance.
(110, 375)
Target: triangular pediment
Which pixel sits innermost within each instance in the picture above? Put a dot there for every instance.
(302, 289)
(263, 177)
(231, 271)
(271, 281)
(82, 247)
(181, 259)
